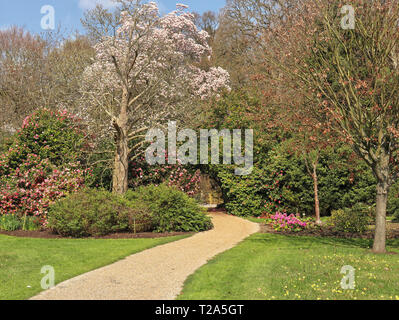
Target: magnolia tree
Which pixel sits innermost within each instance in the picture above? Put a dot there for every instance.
(146, 72)
(344, 60)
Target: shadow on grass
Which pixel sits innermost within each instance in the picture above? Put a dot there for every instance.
(277, 240)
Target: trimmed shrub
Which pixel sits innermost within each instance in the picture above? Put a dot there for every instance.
(353, 220)
(172, 210)
(94, 212)
(137, 219)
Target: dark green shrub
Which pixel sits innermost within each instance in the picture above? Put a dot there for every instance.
(353, 220)
(137, 219)
(172, 210)
(93, 212)
(10, 222)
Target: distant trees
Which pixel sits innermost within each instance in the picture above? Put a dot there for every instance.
(209, 22)
(22, 58)
(39, 72)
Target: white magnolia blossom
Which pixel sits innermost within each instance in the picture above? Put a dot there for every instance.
(157, 55)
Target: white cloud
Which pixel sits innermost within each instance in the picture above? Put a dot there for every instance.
(91, 4)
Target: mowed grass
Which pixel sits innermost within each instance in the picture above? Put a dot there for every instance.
(278, 267)
(21, 260)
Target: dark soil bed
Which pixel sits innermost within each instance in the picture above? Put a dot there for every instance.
(50, 235)
(325, 231)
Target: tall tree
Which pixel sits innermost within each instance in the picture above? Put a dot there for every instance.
(349, 76)
(146, 71)
(208, 21)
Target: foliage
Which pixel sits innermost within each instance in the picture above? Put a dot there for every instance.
(10, 222)
(285, 222)
(349, 86)
(56, 136)
(241, 194)
(31, 188)
(93, 212)
(172, 210)
(353, 220)
(184, 178)
(40, 70)
(42, 164)
(280, 183)
(393, 202)
(137, 219)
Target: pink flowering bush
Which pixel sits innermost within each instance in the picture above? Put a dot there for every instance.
(41, 164)
(285, 222)
(185, 181)
(30, 189)
(53, 135)
(183, 178)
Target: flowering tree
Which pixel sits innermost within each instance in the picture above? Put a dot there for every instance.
(145, 72)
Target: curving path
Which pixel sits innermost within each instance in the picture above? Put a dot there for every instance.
(158, 273)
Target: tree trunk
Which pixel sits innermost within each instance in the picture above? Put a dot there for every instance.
(381, 216)
(121, 161)
(316, 194)
(121, 165)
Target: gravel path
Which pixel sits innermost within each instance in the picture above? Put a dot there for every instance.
(158, 273)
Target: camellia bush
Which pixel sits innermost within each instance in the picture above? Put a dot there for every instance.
(42, 165)
(30, 189)
(53, 135)
(184, 178)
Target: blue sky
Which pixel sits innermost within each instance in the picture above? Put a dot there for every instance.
(26, 13)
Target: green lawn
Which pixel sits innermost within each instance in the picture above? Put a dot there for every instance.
(21, 260)
(268, 267)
